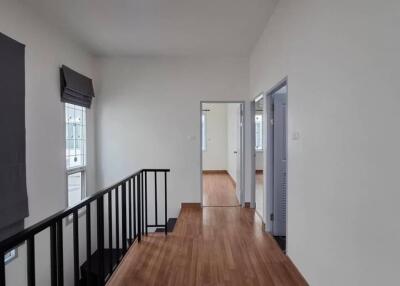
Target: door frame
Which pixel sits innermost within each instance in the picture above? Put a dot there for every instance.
(242, 148)
(269, 187)
(253, 150)
(268, 153)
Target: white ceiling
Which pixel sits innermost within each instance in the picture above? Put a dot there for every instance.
(160, 27)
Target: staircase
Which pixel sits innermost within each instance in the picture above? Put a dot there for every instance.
(120, 216)
(111, 259)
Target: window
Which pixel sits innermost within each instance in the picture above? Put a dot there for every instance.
(259, 132)
(203, 132)
(10, 255)
(75, 152)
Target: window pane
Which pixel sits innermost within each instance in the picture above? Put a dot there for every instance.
(74, 188)
(10, 255)
(69, 113)
(70, 131)
(78, 131)
(75, 136)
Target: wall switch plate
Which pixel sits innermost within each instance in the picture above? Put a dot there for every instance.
(296, 135)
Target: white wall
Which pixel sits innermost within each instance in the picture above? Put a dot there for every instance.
(342, 62)
(46, 50)
(215, 156)
(148, 115)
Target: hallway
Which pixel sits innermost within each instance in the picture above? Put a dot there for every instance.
(209, 246)
(259, 180)
(219, 190)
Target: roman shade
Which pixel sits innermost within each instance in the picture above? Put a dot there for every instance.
(13, 192)
(76, 88)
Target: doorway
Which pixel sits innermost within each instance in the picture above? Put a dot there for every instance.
(276, 187)
(221, 154)
(258, 146)
(269, 164)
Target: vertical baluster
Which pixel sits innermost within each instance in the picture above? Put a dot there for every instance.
(139, 210)
(31, 261)
(165, 203)
(110, 236)
(53, 255)
(155, 196)
(60, 254)
(100, 238)
(88, 245)
(134, 207)
(2, 269)
(130, 210)
(117, 221)
(141, 204)
(145, 195)
(123, 202)
(76, 247)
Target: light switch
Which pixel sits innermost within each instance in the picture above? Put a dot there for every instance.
(296, 135)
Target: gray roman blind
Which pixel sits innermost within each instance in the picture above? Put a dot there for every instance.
(76, 88)
(13, 193)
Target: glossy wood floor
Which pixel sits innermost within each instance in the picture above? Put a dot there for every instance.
(219, 190)
(222, 246)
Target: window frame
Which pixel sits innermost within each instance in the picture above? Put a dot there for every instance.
(73, 171)
(79, 169)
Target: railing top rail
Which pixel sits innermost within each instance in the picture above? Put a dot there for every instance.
(23, 235)
(156, 170)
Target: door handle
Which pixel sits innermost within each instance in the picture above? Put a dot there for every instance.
(234, 152)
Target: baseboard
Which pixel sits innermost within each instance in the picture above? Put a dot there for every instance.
(293, 268)
(262, 221)
(190, 205)
(232, 180)
(215, 172)
(259, 172)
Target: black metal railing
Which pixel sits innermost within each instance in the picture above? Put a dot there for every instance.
(130, 194)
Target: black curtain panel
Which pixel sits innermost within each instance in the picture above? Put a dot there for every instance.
(13, 192)
(76, 88)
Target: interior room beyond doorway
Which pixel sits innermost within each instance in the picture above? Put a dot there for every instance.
(221, 150)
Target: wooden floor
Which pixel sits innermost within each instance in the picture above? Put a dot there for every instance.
(210, 246)
(260, 193)
(219, 190)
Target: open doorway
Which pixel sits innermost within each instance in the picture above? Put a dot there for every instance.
(276, 186)
(221, 154)
(269, 164)
(259, 147)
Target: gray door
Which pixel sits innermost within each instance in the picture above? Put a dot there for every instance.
(280, 162)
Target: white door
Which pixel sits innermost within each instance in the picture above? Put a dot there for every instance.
(239, 153)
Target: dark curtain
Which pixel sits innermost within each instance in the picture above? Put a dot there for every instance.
(13, 192)
(76, 88)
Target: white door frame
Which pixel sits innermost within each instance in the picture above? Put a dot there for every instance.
(253, 150)
(242, 148)
(268, 153)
